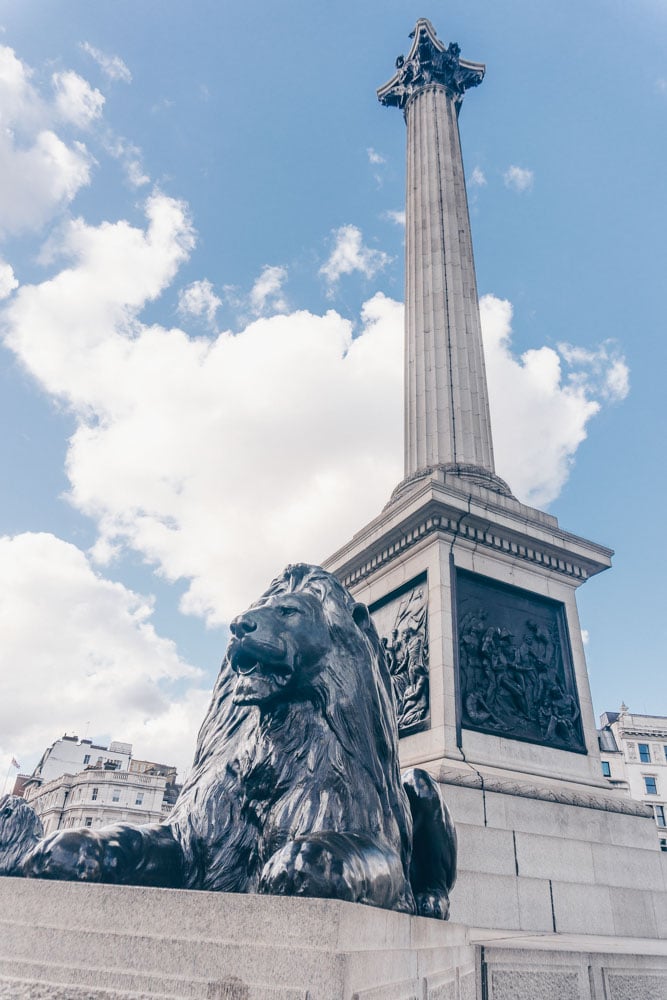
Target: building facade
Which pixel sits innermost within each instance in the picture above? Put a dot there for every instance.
(633, 752)
(79, 783)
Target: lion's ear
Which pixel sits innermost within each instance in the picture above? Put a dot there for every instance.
(361, 616)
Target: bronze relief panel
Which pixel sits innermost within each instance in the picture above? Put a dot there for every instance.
(515, 672)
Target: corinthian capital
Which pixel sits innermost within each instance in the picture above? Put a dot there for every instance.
(429, 62)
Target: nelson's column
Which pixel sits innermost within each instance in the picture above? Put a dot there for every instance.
(473, 592)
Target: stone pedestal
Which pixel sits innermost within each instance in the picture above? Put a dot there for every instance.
(545, 844)
(70, 941)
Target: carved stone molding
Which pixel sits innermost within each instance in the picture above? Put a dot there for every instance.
(484, 536)
(504, 786)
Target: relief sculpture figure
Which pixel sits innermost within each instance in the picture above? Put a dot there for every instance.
(295, 787)
(406, 650)
(513, 684)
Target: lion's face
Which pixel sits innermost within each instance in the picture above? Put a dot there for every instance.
(274, 644)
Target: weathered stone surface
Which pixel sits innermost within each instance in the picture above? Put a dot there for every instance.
(70, 941)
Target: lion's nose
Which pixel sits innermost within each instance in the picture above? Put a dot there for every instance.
(242, 625)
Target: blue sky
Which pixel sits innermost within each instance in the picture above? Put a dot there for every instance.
(201, 264)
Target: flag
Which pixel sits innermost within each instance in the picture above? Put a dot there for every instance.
(15, 764)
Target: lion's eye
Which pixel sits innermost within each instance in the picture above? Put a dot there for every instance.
(286, 609)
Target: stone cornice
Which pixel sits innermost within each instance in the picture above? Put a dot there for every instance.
(563, 796)
(427, 63)
(485, 521)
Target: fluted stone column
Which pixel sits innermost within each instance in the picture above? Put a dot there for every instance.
(447, 423)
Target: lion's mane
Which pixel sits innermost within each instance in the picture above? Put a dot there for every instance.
(352, 692)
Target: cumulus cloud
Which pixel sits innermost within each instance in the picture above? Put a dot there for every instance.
(349, 254)
(266, 295)
(477, 177)
(75, 643)
(112, 66)
(222, 460)
(518, 178)
(8, 280)
(397, 216)
(41, 173)
(199, 299)
(541, 403)
(604, 366)
(76, 101)
(219, 460)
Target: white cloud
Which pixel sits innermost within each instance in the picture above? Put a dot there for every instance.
(602, 368)
(78, 647)
(374, 157)
(8, 280)
(40, 172)
(76, 101)
(539, 413)
(349, 254)
(266, 295)
(129, 156)
(395, 216)
(113, 67)
(477, 178)
(199, 299)
(220, 460)
(518, 178)
(39, 180)
(585, 636)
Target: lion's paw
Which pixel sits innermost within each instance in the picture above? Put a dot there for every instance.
(306, 868)
(73, 855)
(432, 904)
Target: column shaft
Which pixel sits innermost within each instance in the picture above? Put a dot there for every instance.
(446, 401)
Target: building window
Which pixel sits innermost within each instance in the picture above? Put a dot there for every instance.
(644, 753)
(650, 785)
(660, 815)
(606, 769)
(140, 799)
(116, 795)
(663, 844)
(94, 794)
(665, 749)
(86, 759)
(88, 821)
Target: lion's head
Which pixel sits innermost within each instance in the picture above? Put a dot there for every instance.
(307, 638)
(280, 645)
(20, 830)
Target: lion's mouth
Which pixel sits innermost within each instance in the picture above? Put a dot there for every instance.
(257, 664)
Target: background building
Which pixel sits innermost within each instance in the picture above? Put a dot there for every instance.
(633, 752)
(80, 783)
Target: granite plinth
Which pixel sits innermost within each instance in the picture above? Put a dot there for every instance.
(71, 941)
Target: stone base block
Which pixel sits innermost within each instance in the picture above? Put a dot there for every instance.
(63, 940)
(68, 941)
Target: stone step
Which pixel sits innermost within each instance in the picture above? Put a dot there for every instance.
(131, 984)
(34, 989)
(39, 981)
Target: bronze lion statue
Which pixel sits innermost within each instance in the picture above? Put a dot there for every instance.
(295, 787)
